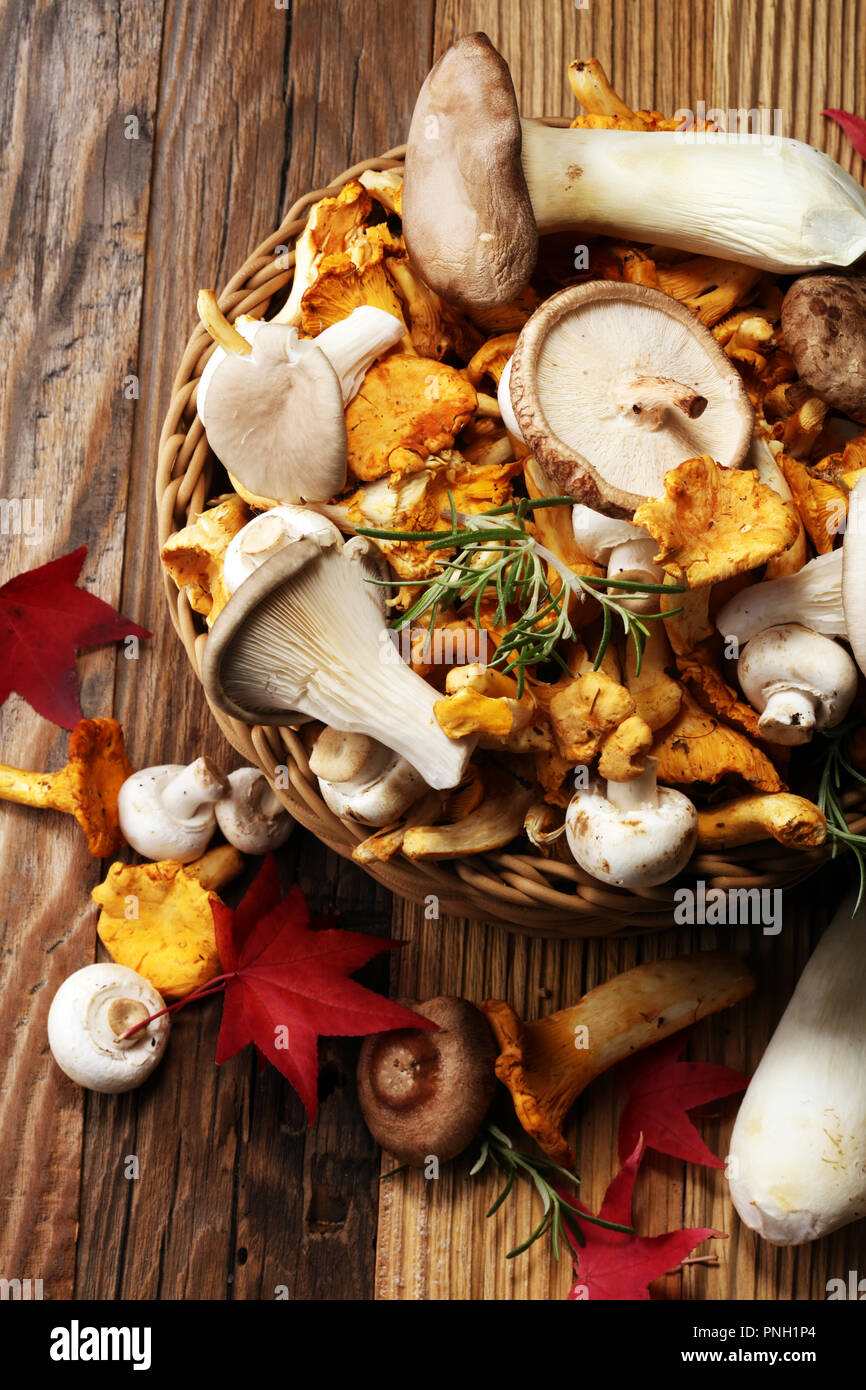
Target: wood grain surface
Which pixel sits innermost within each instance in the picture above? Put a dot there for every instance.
(110, 226)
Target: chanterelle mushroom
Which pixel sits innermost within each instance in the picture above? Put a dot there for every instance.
(613, 384)
(634, 834)
(798, 680)
(167, 812)
(301, 640)
(89, 1015)
(480, 183)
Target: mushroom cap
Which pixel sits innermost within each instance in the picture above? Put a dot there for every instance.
(636, 849)
(586, 374)
(275, 418)
(425, 1094)
(467, 217)
(824, 325)
(148, 825)
(89, 1010)
(791, 658)
(269, 532)
(242, 819)
(385, 787)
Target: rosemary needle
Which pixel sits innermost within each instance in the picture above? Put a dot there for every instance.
(495, 552)
(837, 765)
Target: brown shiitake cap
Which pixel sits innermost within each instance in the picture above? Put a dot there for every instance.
(614, 384)
(425, 1094)
(824, 325)
(467, 218)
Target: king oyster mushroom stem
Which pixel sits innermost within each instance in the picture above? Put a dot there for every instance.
(269, 532)
(272, 403)
(496, 182)
(798, 680)
(167, 812)
(252, 817)
(88, 1017)
(633, 834)
(601, 429)
(362, 779)
(626, 551)
(300, 640)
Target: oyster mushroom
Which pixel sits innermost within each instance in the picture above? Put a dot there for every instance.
(362, 779)
(166, 812)
(613, 384)
(480, 184)
(634, 834)
(300, 640)
(544, 1065)
(272, 403)
(252, 817)
(89, 1015)
(270, 532)
(798, 681)
(424, 1094)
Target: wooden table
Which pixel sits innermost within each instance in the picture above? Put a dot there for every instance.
(146, 149)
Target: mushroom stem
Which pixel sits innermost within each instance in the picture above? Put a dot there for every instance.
(546, 1064)
(651, 396)
(638, 794)
(217, 868)
(47, 789)
(789, 716)
(199, 784)
(792, 820)
(218, 326)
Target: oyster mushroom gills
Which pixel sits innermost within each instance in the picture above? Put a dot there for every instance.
(89, 1015)
(614, 384)
(425, 1094)
(300, 640)
(496, 181)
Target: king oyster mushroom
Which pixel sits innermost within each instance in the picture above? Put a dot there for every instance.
(480, 184)
(272, 403)
(300, 639)
(613, 384)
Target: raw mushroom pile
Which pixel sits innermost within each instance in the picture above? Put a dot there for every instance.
(540, 481)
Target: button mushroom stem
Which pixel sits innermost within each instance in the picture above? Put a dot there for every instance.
(626, 551)
(218, 326)
(167, 812)
(198, 785)
(546, 1064)
(651, 396)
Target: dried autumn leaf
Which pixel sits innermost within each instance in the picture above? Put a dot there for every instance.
(715, 522)
(44, 619)
(288, 983)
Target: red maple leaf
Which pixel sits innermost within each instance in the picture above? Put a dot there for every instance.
(612, 1265)
(44, 619)
(659, 1090)
(853, 126)
(287, 982)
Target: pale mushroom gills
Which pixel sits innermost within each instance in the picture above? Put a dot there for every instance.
(613, 384)
(300, 639)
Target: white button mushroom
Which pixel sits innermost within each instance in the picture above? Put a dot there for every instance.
(167, 812)
(252, 817)
(362, 779)
(89, 1015)
(634, 834)
(797, 680)
(269, 532)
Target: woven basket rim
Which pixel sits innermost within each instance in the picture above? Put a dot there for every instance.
(517, 888)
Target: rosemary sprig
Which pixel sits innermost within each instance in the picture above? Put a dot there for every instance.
(838, 766)
(495, 551)
(559, 1216)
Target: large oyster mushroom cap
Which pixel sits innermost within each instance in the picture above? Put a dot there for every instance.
(614, 384)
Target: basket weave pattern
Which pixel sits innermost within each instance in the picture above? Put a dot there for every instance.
(521, 889)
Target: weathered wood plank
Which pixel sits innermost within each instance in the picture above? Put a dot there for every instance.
(73, 205)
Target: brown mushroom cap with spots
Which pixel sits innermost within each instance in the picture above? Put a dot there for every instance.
(613, 384)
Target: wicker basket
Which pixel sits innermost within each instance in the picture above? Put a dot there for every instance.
(520, 889)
